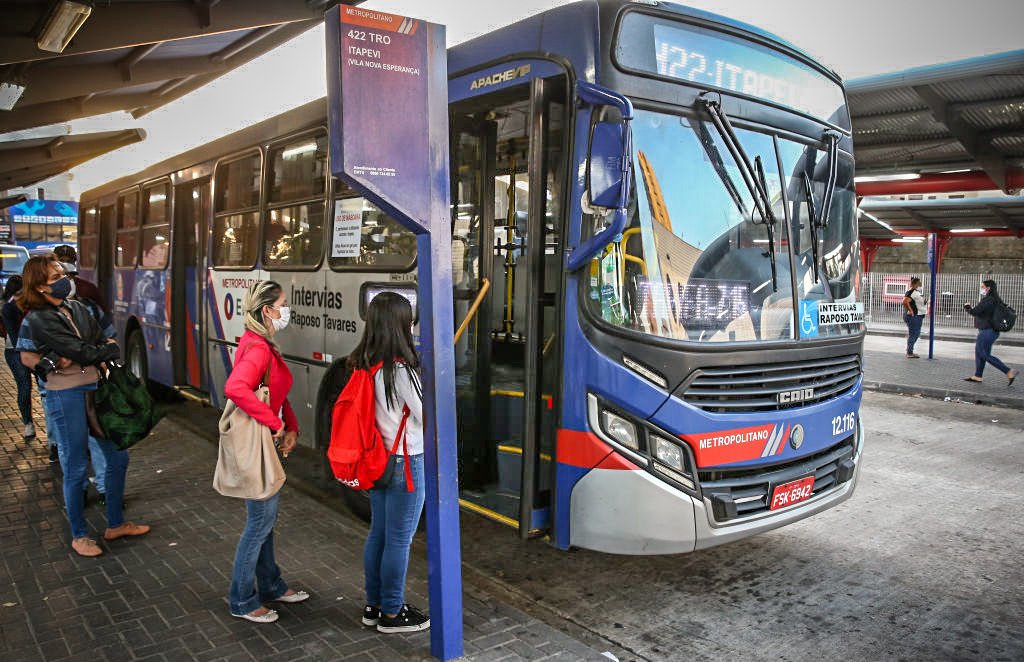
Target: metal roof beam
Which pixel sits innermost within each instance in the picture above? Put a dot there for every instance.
(990, 160)
(901, 144)
(55, 112)
(919, 219)
(122, 25)
(954, 107)
(1012, 222)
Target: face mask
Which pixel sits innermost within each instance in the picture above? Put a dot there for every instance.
(62, 289)
(983, 292)
(280, 323)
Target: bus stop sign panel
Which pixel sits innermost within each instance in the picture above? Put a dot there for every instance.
(387, 89)
(382, 108)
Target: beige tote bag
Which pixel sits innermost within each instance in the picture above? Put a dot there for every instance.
(247, 463)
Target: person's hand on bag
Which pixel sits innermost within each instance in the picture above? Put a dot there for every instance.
(291, 440)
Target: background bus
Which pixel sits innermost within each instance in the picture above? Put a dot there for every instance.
(662, 398)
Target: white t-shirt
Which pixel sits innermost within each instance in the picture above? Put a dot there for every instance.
(409, 392)
(918, 298)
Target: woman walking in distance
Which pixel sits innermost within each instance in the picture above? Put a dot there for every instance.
(398, 397)
(987, 335)
(255, 577)
(62, 343)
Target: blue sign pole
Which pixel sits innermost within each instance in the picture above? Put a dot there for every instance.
(388, 103)
(933, 263)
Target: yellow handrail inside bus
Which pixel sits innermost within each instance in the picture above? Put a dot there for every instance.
(485, 285)
(625, 257)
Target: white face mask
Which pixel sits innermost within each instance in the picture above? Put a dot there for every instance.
(281, 322)
(983, 291)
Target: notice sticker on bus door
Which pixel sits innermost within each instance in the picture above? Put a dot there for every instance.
(348, 222)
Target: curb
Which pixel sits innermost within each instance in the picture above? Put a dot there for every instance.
(944, 394)
(1013, 341)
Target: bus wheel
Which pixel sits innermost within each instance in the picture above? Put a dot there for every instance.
(135, 356)
(330, 388)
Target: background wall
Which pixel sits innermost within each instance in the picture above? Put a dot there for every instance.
(997, 255)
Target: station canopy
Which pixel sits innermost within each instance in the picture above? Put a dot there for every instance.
(959, 124)
(946, 128)
(133, 56)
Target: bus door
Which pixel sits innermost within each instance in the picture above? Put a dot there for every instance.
(191, 209)
(508, 170)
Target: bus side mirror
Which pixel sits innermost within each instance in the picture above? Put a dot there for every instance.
(605, 181)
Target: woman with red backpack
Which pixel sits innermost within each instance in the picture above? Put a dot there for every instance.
(388, 351)
(257, 361)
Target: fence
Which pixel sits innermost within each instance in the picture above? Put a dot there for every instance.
(883, 297)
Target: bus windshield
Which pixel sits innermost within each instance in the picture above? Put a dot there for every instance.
(696, 262)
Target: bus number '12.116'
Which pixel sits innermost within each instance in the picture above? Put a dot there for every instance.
(843, 424)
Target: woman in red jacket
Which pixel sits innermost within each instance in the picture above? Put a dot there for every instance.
(266, 313)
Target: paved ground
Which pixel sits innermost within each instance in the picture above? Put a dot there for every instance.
(163, 597)
(922, 563)
(886, 368)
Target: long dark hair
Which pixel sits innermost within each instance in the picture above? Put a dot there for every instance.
(12, 287)
(993, 291)
(387, 339)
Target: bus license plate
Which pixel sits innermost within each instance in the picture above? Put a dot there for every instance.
(792, 492)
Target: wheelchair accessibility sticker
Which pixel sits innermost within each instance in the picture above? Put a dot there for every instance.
(816, 314)
(808, 319)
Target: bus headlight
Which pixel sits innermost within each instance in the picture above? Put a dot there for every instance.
(620, 429)
(671, 461)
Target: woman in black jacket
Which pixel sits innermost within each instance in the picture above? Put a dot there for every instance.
(62, 343)
(987, 335)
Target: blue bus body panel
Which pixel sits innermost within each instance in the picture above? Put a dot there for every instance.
(547, 34)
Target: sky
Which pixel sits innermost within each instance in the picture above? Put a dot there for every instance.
(855, 39)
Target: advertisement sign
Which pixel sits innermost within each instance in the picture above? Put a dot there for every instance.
(348, 223)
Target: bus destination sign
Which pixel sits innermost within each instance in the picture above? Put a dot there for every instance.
(708, 58)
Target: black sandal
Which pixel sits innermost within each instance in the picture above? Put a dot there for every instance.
(972, 379)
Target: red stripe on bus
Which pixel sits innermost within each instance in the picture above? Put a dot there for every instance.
(585, 450)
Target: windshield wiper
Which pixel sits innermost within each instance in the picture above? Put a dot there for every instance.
(755, 181)
(815, 220)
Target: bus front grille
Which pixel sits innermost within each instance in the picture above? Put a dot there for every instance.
(774, 386)
(735, 494)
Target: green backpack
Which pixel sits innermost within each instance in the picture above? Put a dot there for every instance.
(124, 411)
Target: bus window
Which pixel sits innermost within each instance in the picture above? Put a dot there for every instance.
(294, 234)
(234, 240)
(89, 220)
(236, 222)
(69, 235)
(155, 229)
(378, 242)
(87, 252)
(53, 233)
(127, 230)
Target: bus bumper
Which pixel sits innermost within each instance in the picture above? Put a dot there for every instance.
(632, 512)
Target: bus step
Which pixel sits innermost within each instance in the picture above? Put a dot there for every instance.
(194, 394)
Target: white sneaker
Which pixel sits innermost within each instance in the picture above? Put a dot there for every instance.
(30, 431)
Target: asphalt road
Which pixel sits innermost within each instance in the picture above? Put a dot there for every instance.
(923, 563)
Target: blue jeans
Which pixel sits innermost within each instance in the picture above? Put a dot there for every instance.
(396, 512)
(23, 379)
(66, 411)
(99, 464)
(254, 560)
(983, 352)
(51, 430)
(913, 323)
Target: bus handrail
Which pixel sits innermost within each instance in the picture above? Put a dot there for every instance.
(485, 285)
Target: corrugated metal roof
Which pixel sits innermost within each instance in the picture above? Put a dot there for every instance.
(960, 115)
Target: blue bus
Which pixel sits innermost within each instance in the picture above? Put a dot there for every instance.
(691, 379)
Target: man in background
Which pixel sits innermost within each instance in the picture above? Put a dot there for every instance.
(85, 289)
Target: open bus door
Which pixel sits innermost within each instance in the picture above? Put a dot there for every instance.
(507, 174)
(188, 318)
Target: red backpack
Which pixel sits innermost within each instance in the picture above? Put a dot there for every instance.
(359, 459)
